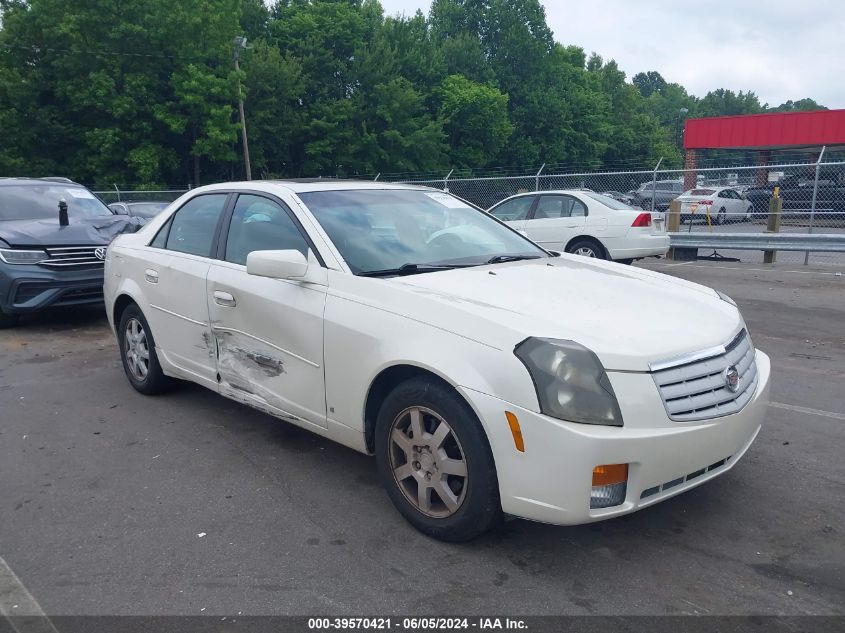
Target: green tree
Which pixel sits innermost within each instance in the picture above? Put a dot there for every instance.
(649, 82)
(475, 118)
(119, 93)
(802, 105)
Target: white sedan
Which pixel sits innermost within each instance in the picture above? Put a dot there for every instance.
(714, 205)
(585, 223)
(488, 376)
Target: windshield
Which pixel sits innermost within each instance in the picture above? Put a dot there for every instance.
(609, 202)
(385, 229)
(39, 202)
(147, 209)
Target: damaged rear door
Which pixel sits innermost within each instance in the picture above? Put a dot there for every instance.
(268, 332)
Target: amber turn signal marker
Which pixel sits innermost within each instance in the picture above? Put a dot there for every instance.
(610, 474)
(515, 431)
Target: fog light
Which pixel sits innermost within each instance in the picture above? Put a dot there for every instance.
(610, 483)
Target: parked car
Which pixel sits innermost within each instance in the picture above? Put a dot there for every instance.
(663, 192)
(143, 209)
(585, 223)
(796, 193)
(53, 234)
(627, 198)
(721, 204)
(487, 375)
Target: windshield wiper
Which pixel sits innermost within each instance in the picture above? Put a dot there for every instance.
(500, 259)
(410, 269)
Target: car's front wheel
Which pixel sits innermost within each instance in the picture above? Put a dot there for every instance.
(137, 351)
(435, 461)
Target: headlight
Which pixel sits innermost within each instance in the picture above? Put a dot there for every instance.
(570, 381)
(20, 256)
(726, 298)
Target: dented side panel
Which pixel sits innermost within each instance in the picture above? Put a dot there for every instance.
(269, 344)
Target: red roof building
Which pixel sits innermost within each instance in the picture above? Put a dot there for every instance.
(764, 132)
(779, 130)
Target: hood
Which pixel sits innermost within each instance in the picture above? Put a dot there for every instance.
(629, 317)
(80, 231)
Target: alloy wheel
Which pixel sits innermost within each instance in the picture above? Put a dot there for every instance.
(428, 462)
(585, 251)
(136, 350)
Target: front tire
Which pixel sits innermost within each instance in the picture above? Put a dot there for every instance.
(586, 248)
(435, 462)
(137, 351)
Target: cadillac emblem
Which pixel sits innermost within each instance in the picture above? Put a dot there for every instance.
(731, 377)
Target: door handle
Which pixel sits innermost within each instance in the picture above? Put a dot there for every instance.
(224, 299)
(151, 275)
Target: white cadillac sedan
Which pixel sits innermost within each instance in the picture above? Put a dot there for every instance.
(488, 376)
(585, 223)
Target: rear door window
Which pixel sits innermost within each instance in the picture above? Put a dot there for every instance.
(554, 206)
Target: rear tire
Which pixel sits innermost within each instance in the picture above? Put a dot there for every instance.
(137, 351)
(721, 216)
(8, 320)
(627, 262)
(586, 248)
(442, 479)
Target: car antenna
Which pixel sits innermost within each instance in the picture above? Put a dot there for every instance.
(63, 219)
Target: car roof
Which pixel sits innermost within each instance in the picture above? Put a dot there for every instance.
(308, 185)
(554, 191)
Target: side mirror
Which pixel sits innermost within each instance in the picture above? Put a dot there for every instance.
(288, 264)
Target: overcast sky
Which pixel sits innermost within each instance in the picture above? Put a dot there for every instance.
(780, 49)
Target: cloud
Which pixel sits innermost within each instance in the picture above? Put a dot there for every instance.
(779, 49)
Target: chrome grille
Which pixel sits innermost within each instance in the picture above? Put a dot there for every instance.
(696, 389)
(73, 256)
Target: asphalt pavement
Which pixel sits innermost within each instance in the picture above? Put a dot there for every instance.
(188, 503)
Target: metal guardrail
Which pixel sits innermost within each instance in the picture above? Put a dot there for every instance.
(811, 242)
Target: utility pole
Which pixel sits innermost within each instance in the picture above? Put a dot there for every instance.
(679, 139)
(239, 43)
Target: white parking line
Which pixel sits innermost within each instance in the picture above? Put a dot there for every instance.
(20, 608)
(808, 410)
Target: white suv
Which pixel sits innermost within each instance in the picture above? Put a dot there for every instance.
(488, 376)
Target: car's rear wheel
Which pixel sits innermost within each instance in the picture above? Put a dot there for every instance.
(137, 351)
(721, 216)
(435, 461)
(586, 248)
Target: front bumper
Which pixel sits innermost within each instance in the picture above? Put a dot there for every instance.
(551, 481)
(30, 288)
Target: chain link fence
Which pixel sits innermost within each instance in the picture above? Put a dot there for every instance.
(725, 199)
(140, 195)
